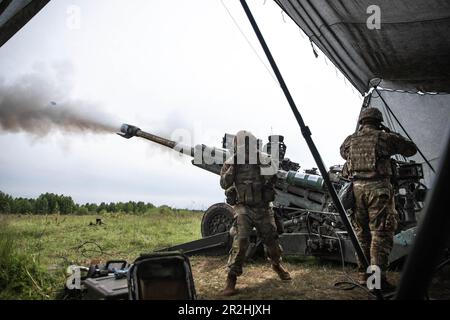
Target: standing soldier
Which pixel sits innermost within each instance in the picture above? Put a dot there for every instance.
(251, 193)
(368, 153)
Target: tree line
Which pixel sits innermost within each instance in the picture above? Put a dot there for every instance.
(50, 203)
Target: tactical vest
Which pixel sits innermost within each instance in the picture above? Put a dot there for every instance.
(249, 184)
(364, 154)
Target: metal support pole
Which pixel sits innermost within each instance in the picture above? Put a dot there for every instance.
(307, 136)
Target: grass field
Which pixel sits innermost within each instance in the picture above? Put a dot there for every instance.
(35, 251)
(39, 248)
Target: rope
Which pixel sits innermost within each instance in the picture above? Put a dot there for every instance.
(390, 123)
(84, 251)
(414, 92)
(350, 283)
(404, 130)
(247, 40)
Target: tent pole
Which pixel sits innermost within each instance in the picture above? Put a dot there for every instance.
(307, 136)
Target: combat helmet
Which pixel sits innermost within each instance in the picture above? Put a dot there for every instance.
(371, 114)
(245, 144)
(243, 139)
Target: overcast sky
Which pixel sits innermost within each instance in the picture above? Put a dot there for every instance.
(165, 66)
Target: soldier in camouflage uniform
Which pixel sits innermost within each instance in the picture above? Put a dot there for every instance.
(375, 220)
(252, 193)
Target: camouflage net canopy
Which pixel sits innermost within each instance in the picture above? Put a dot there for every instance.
(426, 118)
(410, 47)
(407, 53)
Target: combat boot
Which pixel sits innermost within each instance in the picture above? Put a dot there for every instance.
(230, 287)
(282, 273)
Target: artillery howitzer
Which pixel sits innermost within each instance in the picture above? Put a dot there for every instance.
(306, 218)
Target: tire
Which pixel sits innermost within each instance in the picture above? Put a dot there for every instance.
(218, 218)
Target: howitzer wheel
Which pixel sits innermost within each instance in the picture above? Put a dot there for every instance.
(218, 218)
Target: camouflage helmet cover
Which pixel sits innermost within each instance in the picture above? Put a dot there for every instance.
(371, 113)
(245, 140)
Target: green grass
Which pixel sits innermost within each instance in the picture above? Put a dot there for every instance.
(21, 276)
(35, 250)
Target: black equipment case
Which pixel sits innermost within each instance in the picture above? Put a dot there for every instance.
(161, 276)
(106, 288)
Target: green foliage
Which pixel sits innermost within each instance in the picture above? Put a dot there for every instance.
(22, 206)
(50, 203)
(21, 277)
(44, 245)
(5, 202)
(41, 206)
(83, 211)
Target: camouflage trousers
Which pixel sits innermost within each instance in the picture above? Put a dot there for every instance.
(375, 219)
(247, 218)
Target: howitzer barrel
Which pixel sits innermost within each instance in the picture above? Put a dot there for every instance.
(162, 141)
(211, 159)
(127, 131)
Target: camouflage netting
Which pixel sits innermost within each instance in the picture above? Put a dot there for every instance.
(426, 118)
(411, 48)
(408, 52)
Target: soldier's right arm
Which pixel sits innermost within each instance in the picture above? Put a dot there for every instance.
(344, 147)
(401, 145)
(227, 175)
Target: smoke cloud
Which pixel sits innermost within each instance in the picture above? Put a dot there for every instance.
(38, 104)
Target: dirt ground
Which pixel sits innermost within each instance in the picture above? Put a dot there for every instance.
(311, 279)
(50, 243)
